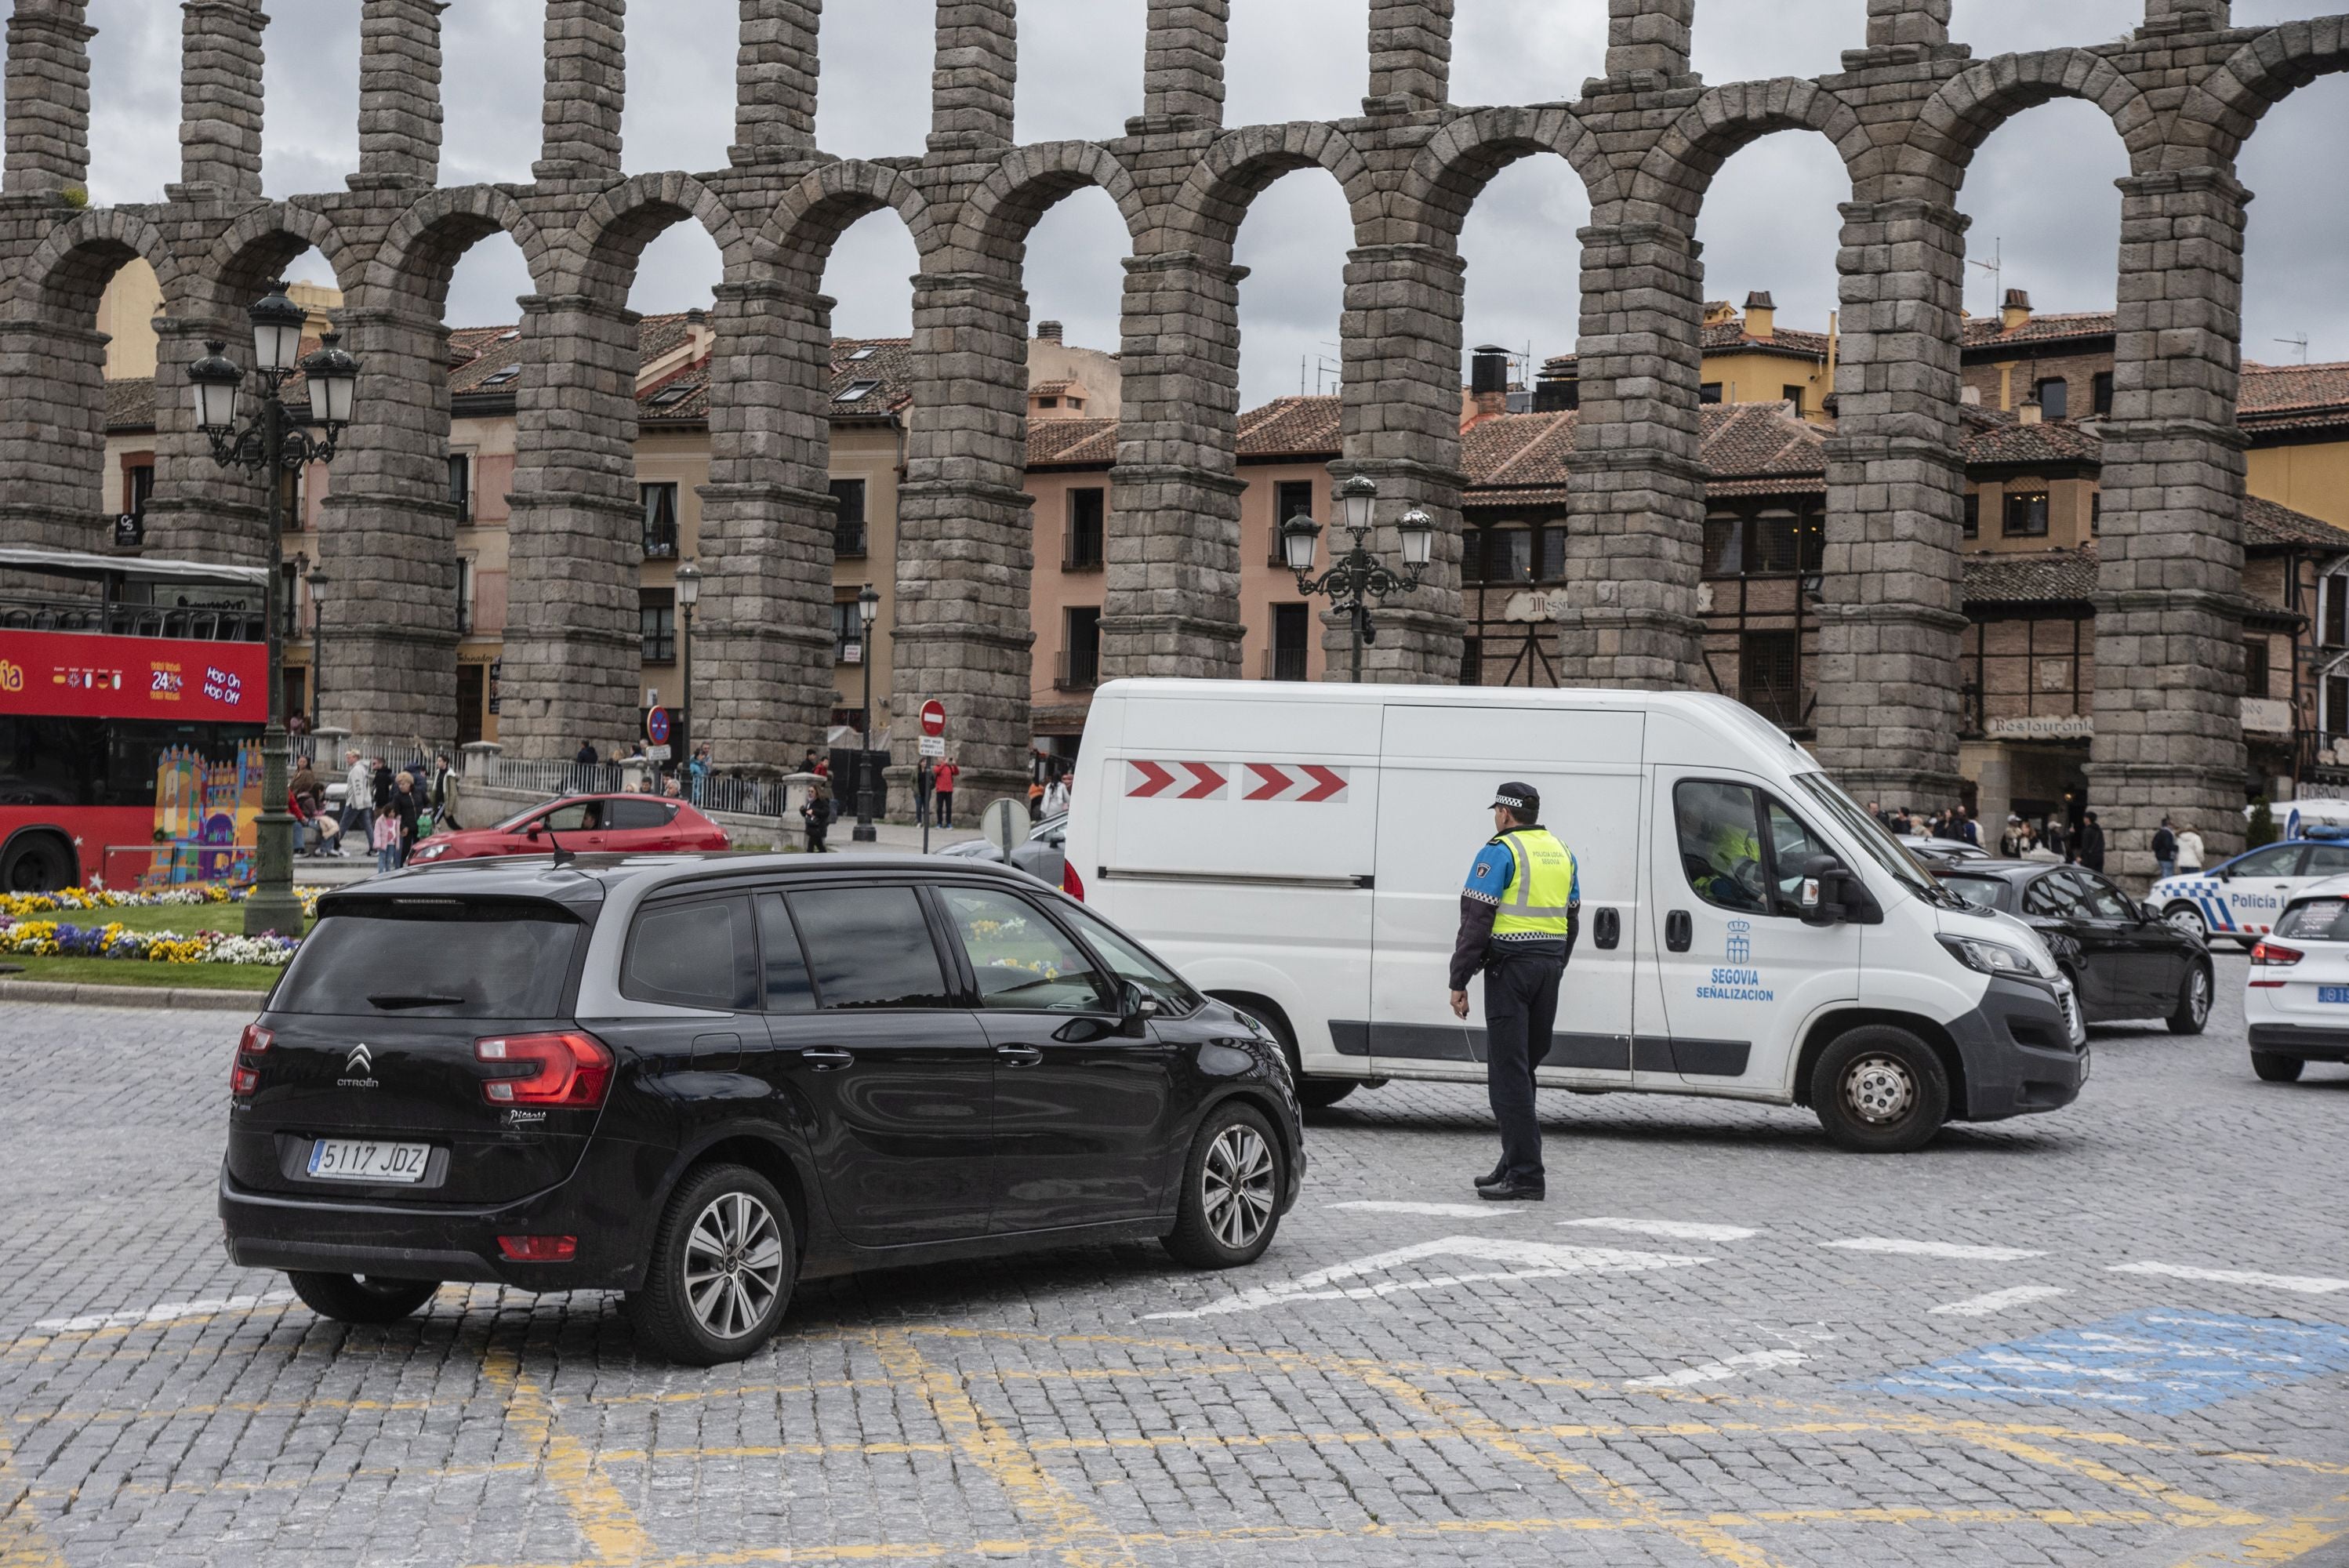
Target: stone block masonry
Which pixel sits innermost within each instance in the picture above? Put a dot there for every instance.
(1906, 114)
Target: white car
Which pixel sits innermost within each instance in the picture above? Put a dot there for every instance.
(2240, 899)
(2297, 999)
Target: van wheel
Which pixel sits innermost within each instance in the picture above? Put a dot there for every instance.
(2275, 1068)
(361, 1298)
(2193, 1001)
(722, 1266)
(1880, 1090)
(2185, 917)
(1232, 1185)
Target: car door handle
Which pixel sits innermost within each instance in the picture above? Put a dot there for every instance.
(1020, 1056)
(1606, 928)
(825, 1059)
(1680, 933)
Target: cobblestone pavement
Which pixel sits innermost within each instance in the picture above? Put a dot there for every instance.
(2105, 1335)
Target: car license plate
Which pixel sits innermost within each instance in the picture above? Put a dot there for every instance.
(365, 1160)
(2332, 994)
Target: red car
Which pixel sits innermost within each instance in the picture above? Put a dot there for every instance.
(583, 824)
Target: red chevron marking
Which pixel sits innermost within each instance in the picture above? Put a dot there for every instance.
(1210, 782)
(1276, 783)
(1328, 782)
(1151, 781)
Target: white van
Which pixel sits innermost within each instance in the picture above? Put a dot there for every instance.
(1300, 851)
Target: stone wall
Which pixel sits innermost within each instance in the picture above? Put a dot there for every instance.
(1906, 114)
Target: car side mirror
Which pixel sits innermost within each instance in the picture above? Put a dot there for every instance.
(1136, 1007)
(531, 831)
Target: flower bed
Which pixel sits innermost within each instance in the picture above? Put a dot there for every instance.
(25, 932)
(20, 905)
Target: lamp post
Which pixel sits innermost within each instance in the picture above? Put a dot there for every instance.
(276, 442)
(868, 610)
(688, 593)
(317, 646)
(1351, 583)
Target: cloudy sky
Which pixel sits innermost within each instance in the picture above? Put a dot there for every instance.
(2041, 195)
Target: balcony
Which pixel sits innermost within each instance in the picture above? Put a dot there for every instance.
(847, 539)
(1079, 669)
(1284, 663)
(660, 544)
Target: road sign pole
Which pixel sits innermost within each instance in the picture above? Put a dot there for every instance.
(934, 730)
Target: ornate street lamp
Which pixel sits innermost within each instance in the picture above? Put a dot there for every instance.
(317, 644)
(688, 595)
(276, 442)
(1351, 583)
(868, 610)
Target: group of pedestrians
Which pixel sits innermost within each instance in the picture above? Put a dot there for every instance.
(385, 808)
(2175, 851)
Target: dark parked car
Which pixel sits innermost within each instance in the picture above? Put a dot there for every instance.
(2124, 960)
(700, 1080)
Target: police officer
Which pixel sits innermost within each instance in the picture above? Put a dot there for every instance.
(1519, 916)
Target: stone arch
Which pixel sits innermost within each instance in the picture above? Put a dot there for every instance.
(997, 218)
(256, 247)
(1960, 118)
(797, 237)
(613, 234)
(1243, 163)
(62, 280)
(1679, 170)
(422, 249)
(2221, 113)
(1452, 171)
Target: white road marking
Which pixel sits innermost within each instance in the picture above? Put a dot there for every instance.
(164, 1313)
(1536, 1260)
(1934, 1249)
(1719, 1371)
(2306, 1285)
(1997, 1301)
(1443, 1210)
(1678, 1230)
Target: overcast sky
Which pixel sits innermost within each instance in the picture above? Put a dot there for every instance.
(2041, 195)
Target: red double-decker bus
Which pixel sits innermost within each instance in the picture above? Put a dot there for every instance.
(105, 662)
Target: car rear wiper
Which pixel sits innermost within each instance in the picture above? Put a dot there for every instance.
(395, 1000)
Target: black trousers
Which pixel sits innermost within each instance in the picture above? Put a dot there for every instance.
(1520, 1011)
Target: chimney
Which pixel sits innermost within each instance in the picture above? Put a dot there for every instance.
(1488, 381)
(2029, 412)
(2017, 312)
(1761, 314)
(1558, 388)
(1049, 330)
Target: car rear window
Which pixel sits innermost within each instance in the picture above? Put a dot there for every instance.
(2318, 920)
(434, 959)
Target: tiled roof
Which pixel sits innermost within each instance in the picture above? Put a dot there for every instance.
(1731, 338)
(2010, 578)
(2294, 398)
(2266, 524)
(890, 363)
(1987, 332)
(1291, 427)
(131, 404)
(1086, 443)
(1995, 438)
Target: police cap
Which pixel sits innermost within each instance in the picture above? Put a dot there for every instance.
(1522, 799)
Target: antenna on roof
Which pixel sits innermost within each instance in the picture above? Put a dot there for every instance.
(1995, 267)
(2300, 343)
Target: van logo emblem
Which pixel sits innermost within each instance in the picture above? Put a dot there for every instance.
(358, 1069)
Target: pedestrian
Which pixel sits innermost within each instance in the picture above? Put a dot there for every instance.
(2165, 851)
(583, 766)
(444, 794)
(2092, 843)
(1877, 812)
(1970, 828)
(1518, 917)
(1056, 796)
(2190, 851)
(407, 808)
(2053, 836)
(306, 797)
(356, 818)
(384, 838)
(817, 814)
(697, 775)
(942, 788)
(1035, 798)
(925, 778)
(381, 784)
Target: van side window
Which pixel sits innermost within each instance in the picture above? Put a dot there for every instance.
(1720, 844)
(788, 989)
(699, 954)
(869, 947)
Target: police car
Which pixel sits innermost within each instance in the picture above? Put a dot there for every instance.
(2242, 899)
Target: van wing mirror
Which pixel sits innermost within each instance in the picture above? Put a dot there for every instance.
(1823, 892)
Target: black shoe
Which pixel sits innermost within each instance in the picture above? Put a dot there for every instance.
(1512, 1192)
(1493, 1177)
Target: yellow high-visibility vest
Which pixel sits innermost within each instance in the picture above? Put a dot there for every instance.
(1543, 891)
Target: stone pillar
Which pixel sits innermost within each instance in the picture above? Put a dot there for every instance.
(2170, 599)
(53, 409)
(966, 540)
(1892, 623)
(1891, 23)
(220, 98)
(388, 534)
(573, 648)
(1400, 336)
(1172, 578)
(762, 636)
(1411, 55)
(775, 75)
(1636, 545)
(587, 87)
(1183, 64)
(1649, 40)
(2188, 16)
(200, 511)
(978, 68)
(399, 93)
(48, 97)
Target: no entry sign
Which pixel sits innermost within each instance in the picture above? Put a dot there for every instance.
(934, 717)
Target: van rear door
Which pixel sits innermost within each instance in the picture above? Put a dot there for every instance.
(1439, 771)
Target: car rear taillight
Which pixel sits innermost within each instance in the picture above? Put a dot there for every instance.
(245, 1074)
(539, 1249)
(1071, 882)
(2276, 955)
(571, 1070)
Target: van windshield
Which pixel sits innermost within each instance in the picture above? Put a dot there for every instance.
(1878, 844)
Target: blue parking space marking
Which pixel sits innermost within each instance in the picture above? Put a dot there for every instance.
(2163, 1362)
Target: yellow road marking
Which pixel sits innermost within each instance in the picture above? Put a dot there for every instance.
(606, 1521)
(1085, 1541)
(23, 1543)
(2285, 1541)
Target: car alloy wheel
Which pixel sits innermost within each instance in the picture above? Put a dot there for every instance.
(1879, 1089)
(1235, 1186)
(733, 1265)
(2197, 996)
